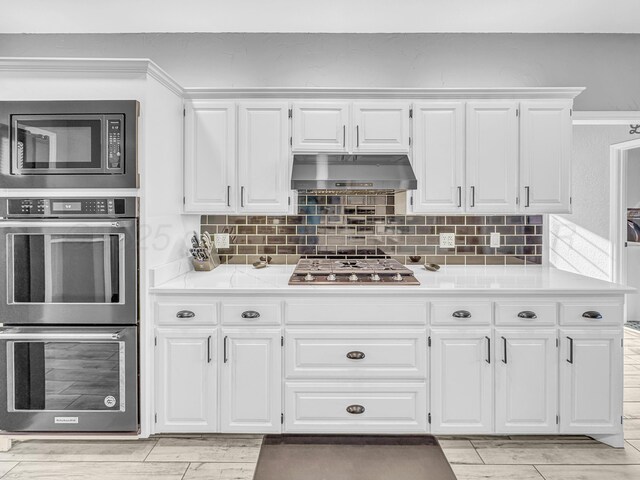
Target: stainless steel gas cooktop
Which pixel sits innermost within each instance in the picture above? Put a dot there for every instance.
(351, 272)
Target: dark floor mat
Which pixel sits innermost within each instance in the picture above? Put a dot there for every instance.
(352, 457)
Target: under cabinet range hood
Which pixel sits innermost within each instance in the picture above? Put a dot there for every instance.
(352, 172)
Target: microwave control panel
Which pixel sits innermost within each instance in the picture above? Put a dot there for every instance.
(115, 147)
(69, 207)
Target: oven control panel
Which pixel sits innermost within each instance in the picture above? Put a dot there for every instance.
(70, 207)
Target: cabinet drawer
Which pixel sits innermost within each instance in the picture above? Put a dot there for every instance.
(185, 311)
(526, 313)
(351, 408)
(356, 353)
(251, 313)
(343, 311)
(461, 313)
(582, 313)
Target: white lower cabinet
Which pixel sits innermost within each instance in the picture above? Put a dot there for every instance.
(461, 381)
(591, 369)
(526, 378)
(186, 380)
(251, 379)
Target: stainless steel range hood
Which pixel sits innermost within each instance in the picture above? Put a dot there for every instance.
(352, 172)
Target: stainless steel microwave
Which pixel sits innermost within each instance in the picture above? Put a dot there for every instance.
(69, 144)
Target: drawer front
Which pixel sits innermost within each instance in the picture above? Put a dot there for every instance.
(582, 313)
(526, 313)
(251, 313)
(354, 353)
(461, 313)
(341, 311)
(350, 408)
(185, 311)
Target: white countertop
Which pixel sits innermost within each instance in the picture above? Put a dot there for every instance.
(244, 279)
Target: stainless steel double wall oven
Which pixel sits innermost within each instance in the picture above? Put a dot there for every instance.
(69, 309)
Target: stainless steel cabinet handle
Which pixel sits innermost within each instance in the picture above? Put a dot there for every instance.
(228, 195)
(459, 196)
(355, 409)
(357, 135)
(473, 196)
(225, 358)
(209, 349)
(344, 136)
(461, 314)
(504, 350)
(570, 359)
(488, 359)
(526, 196)
(592, 314)
(355, 355)
(242, 196)
(185, 314)
(250, 314)
(527, 314)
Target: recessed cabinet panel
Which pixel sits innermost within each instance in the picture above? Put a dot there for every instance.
(438, 157)
(380, 127)
(545, 156)
(186, 380)
(320, 127)
(263, 157)
(210, 157)
(251, 381)
(492, 156)
(526, 373)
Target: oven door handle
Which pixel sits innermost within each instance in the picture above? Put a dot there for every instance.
(60, 336)
(50, 224)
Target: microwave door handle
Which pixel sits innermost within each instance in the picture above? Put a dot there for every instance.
(60, 336)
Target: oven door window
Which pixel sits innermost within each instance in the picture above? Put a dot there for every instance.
(68, 268)
(68, 145)
(66, 376)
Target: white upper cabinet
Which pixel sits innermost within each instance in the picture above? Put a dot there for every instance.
(438, 157)
(381, 127)
(545, 156)
(263, 157)
(492, 156)
(320, 126)
(210, 156)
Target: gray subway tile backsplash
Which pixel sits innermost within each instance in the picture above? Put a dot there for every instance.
(368, 226)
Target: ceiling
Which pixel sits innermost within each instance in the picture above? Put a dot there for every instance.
(320, 16)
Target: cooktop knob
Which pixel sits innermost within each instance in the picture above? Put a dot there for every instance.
(309, 278)
(375, 277)
(397, 277)
(331, 277)
(353, 277)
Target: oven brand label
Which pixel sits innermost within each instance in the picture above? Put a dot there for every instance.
(65, 419)
(110, 401)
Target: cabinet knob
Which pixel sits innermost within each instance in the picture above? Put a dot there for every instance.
(355, 409)
(592, 314)
(355, 355)
(527, 314)
(250, 314)
(461, 314)
(185, 314)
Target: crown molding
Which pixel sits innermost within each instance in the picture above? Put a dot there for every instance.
(606, 117)
(507, 93)
(109, 67)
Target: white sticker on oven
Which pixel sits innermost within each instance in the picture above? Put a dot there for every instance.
(110, 401)
(65, 419)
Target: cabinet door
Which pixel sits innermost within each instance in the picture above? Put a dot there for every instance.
(251, 382)
(186, 380)
(210, 157)
(380, 127)
(461, 381)
(545, 156)
(263, 157)
(438, 156)
(526, 370)
(320, 127)
(590, 381)
(492, 156)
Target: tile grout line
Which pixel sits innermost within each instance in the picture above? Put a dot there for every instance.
(539, 472)
(8, 471)
(155, 444)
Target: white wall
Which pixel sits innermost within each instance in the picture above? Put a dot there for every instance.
(633, 178)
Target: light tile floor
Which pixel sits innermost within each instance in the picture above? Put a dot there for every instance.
(233, 457)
